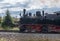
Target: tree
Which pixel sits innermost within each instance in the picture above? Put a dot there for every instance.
(7, 22)
(0, 21)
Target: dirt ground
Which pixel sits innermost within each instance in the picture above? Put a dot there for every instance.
(4, 36)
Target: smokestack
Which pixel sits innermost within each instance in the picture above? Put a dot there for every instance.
(43, 13)
(24, 11)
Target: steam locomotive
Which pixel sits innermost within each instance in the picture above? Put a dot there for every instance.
(37, 23)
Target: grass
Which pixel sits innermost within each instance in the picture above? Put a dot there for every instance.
(7, 28)
(15, 28)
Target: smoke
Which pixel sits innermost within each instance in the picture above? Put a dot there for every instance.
(44, 3)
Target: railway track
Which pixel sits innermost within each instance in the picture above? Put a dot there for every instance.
(15, 31)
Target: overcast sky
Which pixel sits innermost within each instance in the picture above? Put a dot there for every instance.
(17, 5)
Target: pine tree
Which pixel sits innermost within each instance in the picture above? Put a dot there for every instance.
(0, 20)
(7, 22)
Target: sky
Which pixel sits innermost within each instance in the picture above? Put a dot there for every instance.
(19, 5)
